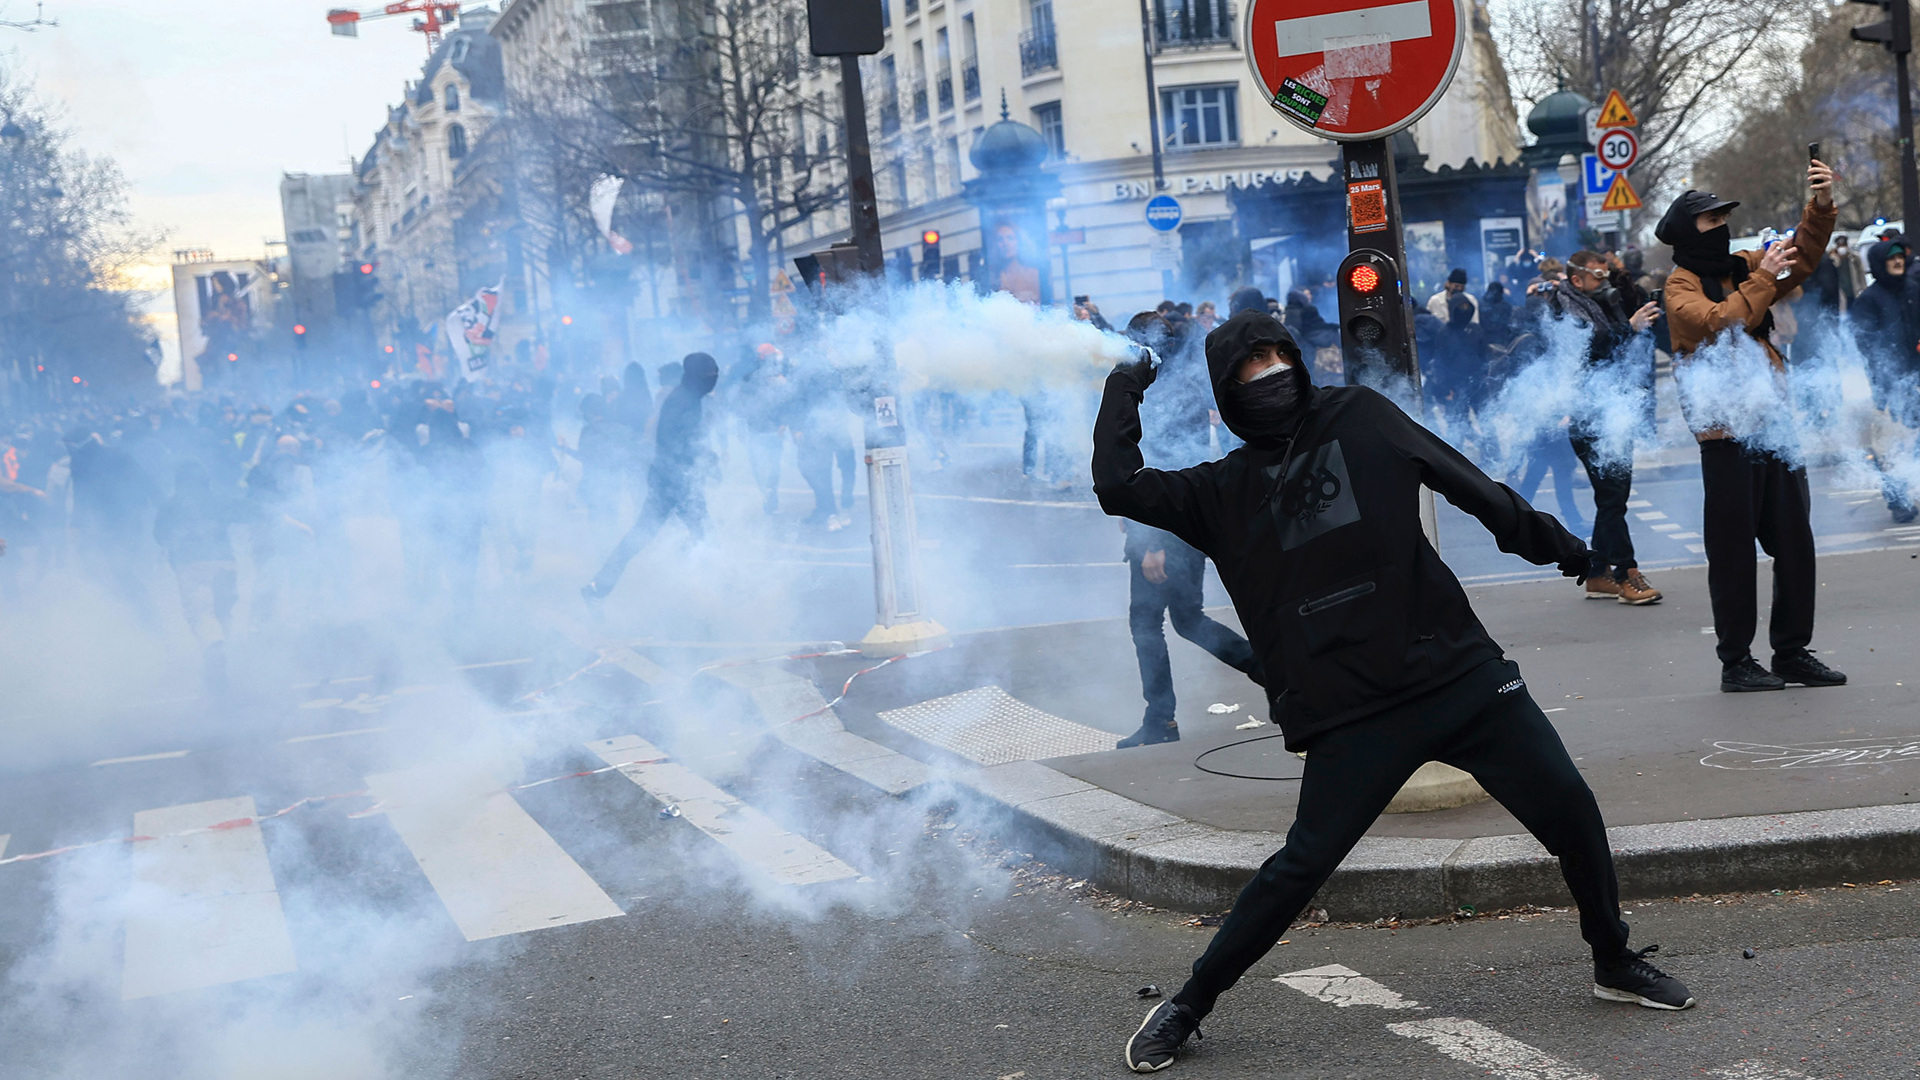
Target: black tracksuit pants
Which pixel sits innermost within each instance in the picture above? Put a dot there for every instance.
(1485, 723)
(1179, 597)
(1753, 495)
(1612, 486)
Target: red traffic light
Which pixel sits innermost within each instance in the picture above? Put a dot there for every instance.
(299, 328)
(366, 268)
(232, 356)
(930, 237)
(376, 384)
(389, 348)
(566, 320)
(1363, 278)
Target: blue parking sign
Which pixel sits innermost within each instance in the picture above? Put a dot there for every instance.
(1599, 178)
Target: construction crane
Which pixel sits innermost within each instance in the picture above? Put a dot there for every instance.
(439, 15)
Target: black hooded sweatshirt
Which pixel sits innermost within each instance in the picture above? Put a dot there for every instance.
(1316, 534)
(1886, 324)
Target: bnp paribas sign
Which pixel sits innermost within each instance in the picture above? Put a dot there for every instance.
(1197, 183)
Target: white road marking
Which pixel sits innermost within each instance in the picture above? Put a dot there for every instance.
(1697, 549)
(1666, 526)
(1683, 536)
(336, 734)
(1639, 504)
(163, 756)
(787, 858)
(1651, 515)
(205, 911)
(1486, 1049)
(496, 870)
(1755, 1070)
(1342, 986)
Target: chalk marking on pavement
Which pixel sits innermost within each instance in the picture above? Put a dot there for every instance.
(787, 858)
(1665, 526)
(1639, 504)
(162, 756)
(1651, 515)
(1482, 1047)
(335, 734)
(1683, 536)
(1751, 756)
(496, 870)
(1697, 549)
(205, 911)
(1342, 986)
(1755, 1070)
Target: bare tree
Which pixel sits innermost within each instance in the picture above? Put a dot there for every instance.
(1831, 90)
(29, 25)
(698, 107)
(65, 239)
(1684, 66)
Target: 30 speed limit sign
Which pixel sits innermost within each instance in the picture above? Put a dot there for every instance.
(1618, 149)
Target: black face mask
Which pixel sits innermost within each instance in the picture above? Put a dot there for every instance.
(1265, 407)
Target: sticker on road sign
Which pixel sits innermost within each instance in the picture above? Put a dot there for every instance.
(1621, 196)
(1366, 206)
(1300, 100)
(1615, 112)
(1618, 149)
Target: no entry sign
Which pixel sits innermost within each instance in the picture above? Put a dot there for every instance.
(1354, 69)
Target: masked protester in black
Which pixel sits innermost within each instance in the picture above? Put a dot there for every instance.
(1886, 327)
(1373, 658)
(675, 482)
(1166, 576)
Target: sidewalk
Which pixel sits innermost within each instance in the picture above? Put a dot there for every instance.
(1705, 791)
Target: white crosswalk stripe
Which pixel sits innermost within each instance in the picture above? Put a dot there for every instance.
(1343, 986)
(496, 870)
(1483, 1048)
(787, 858)
(205, 909)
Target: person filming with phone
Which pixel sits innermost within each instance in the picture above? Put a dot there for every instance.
(1751, 491)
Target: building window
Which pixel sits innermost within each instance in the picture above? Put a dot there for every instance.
(969, 59)
(1192, 24)
(886, 13)
(1199, 116)
(1047, 119)
(1038, 51)
(451, 100)
(458, 54)
(456, 141)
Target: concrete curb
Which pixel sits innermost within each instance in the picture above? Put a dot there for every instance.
(1149, 855)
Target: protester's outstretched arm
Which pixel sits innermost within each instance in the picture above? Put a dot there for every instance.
(1122, 482)
(1517, 527)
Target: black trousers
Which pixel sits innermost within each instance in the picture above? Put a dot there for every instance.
(1178, 597)
(666, 497)
(1352, 772)
(1753, 495)
(1612, 484)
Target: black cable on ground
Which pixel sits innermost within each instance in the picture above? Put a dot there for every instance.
(1232, 745)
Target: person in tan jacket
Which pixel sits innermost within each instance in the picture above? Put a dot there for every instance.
(1753, 489)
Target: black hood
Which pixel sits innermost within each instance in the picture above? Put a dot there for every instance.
(1232, 342)
(1878, 254)
(699, 373)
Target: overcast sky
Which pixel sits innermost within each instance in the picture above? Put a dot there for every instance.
(205, 103)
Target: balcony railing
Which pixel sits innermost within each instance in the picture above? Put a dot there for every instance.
(970, 78)
(919, 102)
(943, 91)
(1038, 51)
(889, 114)
(1192, 24)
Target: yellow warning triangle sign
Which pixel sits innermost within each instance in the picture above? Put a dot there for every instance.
(1620, 195)
(1615, 112)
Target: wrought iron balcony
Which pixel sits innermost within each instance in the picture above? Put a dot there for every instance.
(919, 102)
(1038, 50)
(943, 91)
(970, 78)
(1192, 24)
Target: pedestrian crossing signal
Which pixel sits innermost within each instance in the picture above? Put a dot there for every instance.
(1621, 196)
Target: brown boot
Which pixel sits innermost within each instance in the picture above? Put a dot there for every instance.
(1635, 589)
(1602, 587)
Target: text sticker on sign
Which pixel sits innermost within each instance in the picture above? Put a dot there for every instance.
(1366, 206)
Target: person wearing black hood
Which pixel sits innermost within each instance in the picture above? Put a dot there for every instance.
(1165, 576)
(1373, 659)
(681, 458)
(1751, 492)
(1886, 328)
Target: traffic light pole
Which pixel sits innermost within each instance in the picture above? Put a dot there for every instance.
(900, 622)
(1896, 33)
(1376, 322)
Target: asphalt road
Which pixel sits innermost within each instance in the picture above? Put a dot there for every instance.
(660, 951)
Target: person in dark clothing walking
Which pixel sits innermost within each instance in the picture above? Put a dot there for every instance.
(675, 482)
(1886, 329)
(192, 528)
(1752, 490)
(1374, 660)
(1166, 576)
(111, 495)
(1496, 316)
(1619, 361)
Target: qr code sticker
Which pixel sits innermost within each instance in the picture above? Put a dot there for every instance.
(1367, 207)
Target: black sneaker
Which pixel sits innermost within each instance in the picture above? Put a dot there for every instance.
(1149, 734)
(1632, 979)
(1803, 668)
(1748, 677)
(1160, 1036)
